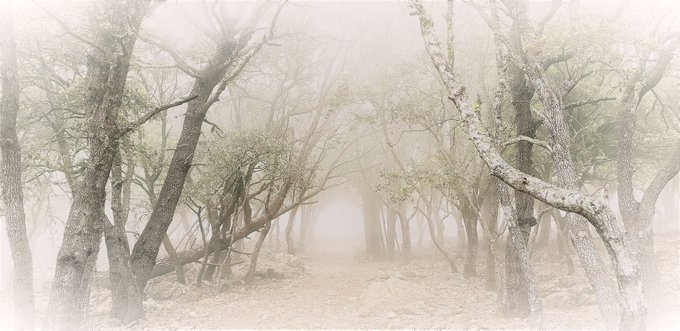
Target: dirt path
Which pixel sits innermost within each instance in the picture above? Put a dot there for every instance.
(339, 290)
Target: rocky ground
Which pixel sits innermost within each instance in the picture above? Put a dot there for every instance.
(341, 289)
(336, 290)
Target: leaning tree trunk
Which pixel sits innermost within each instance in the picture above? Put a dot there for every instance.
(107, 70)
(578, 226)
(252, 268)
(146, 248)
(225, 64)
(595, 210)
(172, 253)
(638, 216)
(10, 176)
(641, 230)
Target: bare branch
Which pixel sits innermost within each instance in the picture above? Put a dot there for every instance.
(131, 126)
(547, 63)
(67, 29)
(179, 60)
(587, 102)
(534, 141)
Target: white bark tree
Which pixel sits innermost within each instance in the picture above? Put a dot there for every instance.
(596, 210)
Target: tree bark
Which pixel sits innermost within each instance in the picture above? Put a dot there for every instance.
(10, 176)
(545, 225)
(405, 232)
(290, 243)
(595, 210)
(252, 268)
(578, 226)
(490, 217)
(516, 298)
(371, 214)
(637, 215)
(470, 219)
(224, 66)
(107, 68)
(305, 224)
(429, 214)
(126, 300)
(390, 232)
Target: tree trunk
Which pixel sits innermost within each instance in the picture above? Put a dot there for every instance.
(252, 268)
(372, 231)
(516, 302)
(563, 250)
(578, 226)
(515, 293)
(405, 233)
(146, 249)
(390, 232)
(126, 300)
(10, 176)
(421, 231)
(107, 70)
(290, 244)
(305, 220)
(224, 65)
(461, 237)
(595, 210)
(544, 230)
(470, 219)
(172, 253)
(641, 231)
(435, 240)
(490, 217)
(276, 239)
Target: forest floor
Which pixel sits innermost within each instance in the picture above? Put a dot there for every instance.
(341, 289)
(331, 289)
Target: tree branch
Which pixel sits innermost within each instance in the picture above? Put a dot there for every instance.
(587, 102)
(179, 61)
(131, 126)
(534, 141)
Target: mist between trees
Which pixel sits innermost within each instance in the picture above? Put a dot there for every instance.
(379, 152)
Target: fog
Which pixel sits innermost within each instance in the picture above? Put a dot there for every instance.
(339, 164)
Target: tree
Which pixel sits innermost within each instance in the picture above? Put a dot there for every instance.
(638, 215)
(593, 209)
(107, 69)
(10, 174)
(234, 49)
